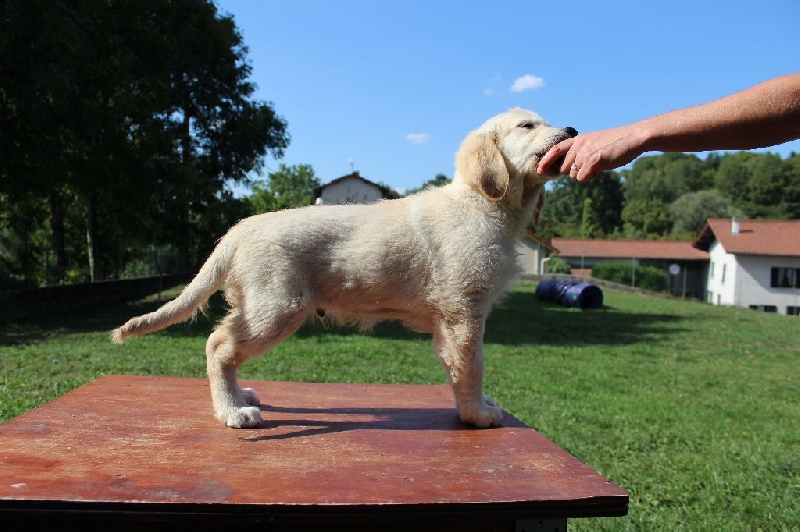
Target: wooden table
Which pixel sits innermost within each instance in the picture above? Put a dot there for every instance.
(137, 451)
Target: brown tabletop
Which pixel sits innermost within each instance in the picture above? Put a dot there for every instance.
(140, 449)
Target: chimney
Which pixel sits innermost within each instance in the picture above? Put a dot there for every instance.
(734, 225)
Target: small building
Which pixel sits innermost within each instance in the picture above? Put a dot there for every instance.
(684, 264)
(753, 263)
(533, 252)
(351, 188)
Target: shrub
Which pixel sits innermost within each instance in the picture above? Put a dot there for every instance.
(646, 277)
(558, 265)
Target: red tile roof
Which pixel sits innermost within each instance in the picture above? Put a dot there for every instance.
(756, 237)
(627, 249)
(539, 240)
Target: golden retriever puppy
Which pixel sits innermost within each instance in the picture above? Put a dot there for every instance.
(436, 260)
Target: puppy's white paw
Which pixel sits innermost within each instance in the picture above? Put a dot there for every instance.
(246, 417)
(482, 416)
(250, 397)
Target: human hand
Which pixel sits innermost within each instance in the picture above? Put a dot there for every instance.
(588, 154)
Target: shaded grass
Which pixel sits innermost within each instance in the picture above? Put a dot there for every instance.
(692, 409)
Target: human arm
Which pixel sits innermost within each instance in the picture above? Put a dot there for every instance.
(762, 115)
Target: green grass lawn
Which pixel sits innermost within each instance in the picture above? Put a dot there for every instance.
(692, 409)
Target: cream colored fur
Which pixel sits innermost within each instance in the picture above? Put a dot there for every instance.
(437, 260)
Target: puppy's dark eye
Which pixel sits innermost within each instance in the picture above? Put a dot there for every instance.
(526, 125)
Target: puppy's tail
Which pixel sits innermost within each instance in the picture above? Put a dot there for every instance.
(188, 302)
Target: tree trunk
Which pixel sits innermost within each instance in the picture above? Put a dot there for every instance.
(58, 231)
(183, 195)
(91, 234)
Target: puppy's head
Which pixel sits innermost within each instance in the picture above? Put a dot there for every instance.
(500, 158)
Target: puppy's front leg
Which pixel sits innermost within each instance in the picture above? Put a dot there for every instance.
(460, 350)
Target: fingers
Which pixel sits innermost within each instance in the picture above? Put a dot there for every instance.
(578, 163)
(552, 155)
(569, 165)
(584, 174)
(580, 172)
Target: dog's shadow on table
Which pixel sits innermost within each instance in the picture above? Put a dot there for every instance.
(283, 423)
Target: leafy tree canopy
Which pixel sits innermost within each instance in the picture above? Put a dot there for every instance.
(127, 117)
(437, 181)
(690, 212)
(288, 187)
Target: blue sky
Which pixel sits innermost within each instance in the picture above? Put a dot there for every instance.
(391, 88)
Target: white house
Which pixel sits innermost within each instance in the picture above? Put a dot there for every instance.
(753, 263)
(351, 188)
(532, 253)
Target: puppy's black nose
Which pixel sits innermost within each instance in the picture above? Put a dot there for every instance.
(571, 131)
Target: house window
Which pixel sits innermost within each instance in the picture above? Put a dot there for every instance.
(711, 270)
(770, 308)
(724, 267)
(785, 278)
(793, 311)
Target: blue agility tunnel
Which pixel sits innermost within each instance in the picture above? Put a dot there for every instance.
(569, 294)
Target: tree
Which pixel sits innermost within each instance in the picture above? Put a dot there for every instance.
(760, 185)
(650, 187)
(733, 179)
(135, 113)
(288, 187)
(437, 181)
(665, 177)
(791, 193)
(690, 212)
(41, 44)
(646, 218)
(588, 227)
(221, 133)
(769, 181)
(562, 209)
(564, 206)
(607, 202)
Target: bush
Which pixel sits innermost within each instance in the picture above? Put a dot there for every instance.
(647, 277)
(558, 265)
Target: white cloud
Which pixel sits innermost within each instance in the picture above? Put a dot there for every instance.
(526, 83)
(418, 138)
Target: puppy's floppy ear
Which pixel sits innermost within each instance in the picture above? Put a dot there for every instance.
(480, 162)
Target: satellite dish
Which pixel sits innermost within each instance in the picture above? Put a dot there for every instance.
(674, 269)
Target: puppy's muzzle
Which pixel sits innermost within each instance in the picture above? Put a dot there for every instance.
(566, 133)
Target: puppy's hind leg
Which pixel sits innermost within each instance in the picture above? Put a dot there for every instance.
(459, 346)
(233, 406)
(230, 345)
